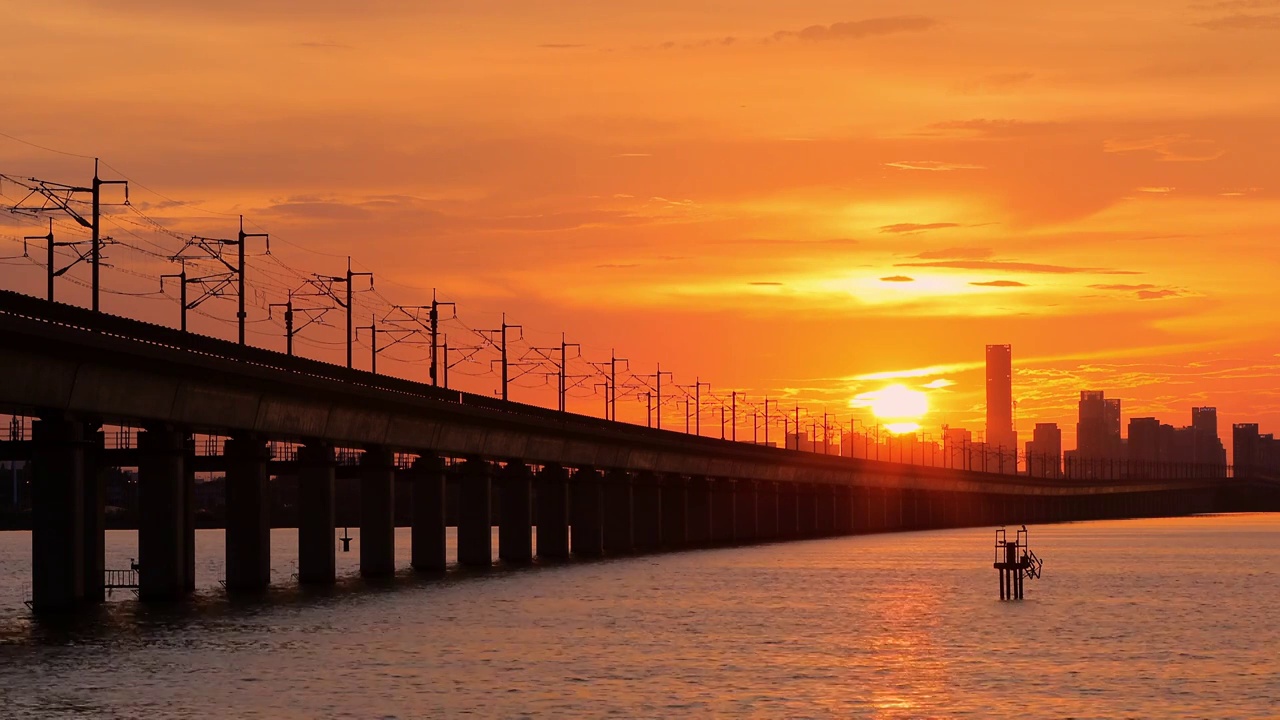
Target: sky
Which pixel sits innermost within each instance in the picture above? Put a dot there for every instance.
(808, 201)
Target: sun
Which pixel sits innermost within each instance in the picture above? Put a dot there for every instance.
(898, 406)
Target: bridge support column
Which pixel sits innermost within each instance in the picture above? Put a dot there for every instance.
(553, 512)
(807, 509)
(95, 518)
(788, 510)
(844, 510)
(428, 552)
(647, 492)
(746, 519)
(824, 508)
(698, 521)
(767, 509)
(57, 504)
(377, 512)
(722, 511)
(675, 512)
(162, 536)
(586, 513)
(619, 531)
(316, 561)
(248, 522)
(515, 529)
(475, 523)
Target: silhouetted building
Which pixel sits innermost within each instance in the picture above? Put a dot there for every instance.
(1254, 454)
(1044, 451)
(1207, 449)
(1098, 429)
(1001, 435)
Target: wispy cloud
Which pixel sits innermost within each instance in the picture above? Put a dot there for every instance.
(897, 278)
(1123, 288)
(955, 253)
(916, 227)
(765, 283)
(858, 29)
(1158, 294)
(1016, 267)
(1242, 21)
(999, 283)
(932, 165)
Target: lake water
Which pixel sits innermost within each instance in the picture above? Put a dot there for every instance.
(1147, 619)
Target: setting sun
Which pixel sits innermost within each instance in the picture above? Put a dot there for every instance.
(900, 407)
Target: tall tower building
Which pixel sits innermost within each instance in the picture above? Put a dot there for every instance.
(1001, 436)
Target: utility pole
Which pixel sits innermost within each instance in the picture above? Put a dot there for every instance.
(613, 382)
(48, 239)
(697, 396)
(288, 323)
(182, 293)
(734, 415)
(372, 327)
(434, 321)
(660, 373)
(501, 332)
(564, 360)
(826, 434)
(348, 304)
(797, 427)
(767, 401)
(59, 196)
(240, 243)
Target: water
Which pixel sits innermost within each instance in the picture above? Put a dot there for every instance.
(1153, 618)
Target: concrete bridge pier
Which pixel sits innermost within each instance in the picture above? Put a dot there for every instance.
(647, 495)
(896, 515)
(427, 552)
(698, 520)
(162, 536)
(869, 501)
(788, 510)
(316, 510)
(475, 522)
(586, 513)
(806, 509)
(57, 503)
(248, 523)
(515, 526)
(766, 509)
(675, 511)
(95, 518)
(746, 518)
(553, 512)
(844, 510)
(722, 511)
(619, 513)
(823, 510)
(377, 512)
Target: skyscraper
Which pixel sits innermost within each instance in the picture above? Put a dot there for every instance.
(1044, 451)
(1001, 436)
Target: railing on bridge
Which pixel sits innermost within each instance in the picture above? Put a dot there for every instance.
(120, 579)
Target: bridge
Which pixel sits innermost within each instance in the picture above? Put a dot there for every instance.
(591, 487)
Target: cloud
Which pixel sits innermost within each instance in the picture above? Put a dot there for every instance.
(1124, 288)
(324, 45)
(897, 278)
(1157, 190)
(996, 128)
(858, 29)
(1157, 294)
(561, 46)
(999, 283)
(765, 283)
(932, 165)
(916, 227)
(618, 265)
(1180, 147)
(955, 253)
(632, 155)
(1016, 267)
(1237, 5)
(939, 384)
(1242, 21)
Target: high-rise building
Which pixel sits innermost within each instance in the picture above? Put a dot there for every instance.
(1044, 451)
(1001, 438)
(1207, 450)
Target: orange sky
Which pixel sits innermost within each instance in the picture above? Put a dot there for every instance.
(773, 199)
